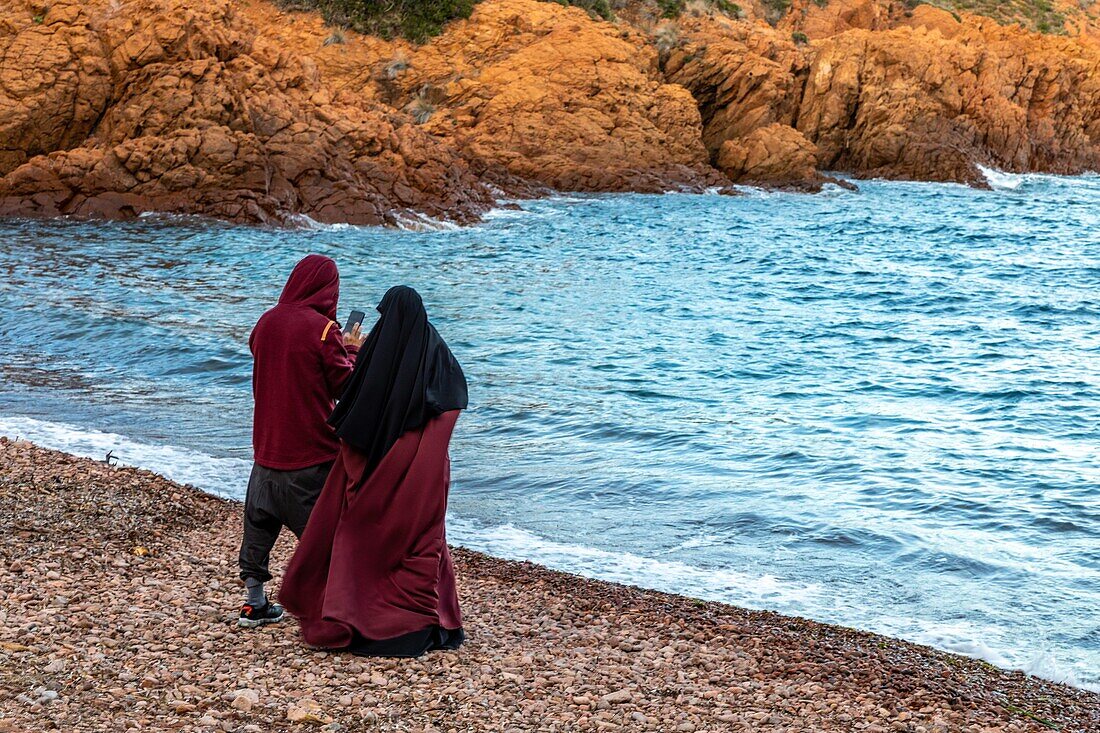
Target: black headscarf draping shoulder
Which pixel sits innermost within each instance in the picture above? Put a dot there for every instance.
(404, 376)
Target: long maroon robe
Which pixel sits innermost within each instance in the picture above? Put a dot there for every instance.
(373, 562)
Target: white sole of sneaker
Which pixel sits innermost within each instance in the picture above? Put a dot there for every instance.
(244, 623)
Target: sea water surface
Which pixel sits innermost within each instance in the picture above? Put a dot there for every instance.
(878, 408)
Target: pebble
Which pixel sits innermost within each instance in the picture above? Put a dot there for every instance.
(243, 703)
(306, 710)
(618, 697)
(247, 693)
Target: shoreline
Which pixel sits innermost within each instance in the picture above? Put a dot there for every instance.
(119, 595)
(993, 180)
(545, 551)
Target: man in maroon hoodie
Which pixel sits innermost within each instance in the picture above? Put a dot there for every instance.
(301, 361)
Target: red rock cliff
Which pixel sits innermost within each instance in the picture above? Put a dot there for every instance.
(233, 109)
(113, 109)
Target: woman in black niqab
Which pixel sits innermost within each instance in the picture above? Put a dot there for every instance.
(372, 573)
(404, 376)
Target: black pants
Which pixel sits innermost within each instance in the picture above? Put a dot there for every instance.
(276, 499)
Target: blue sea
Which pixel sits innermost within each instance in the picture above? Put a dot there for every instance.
(875, 408)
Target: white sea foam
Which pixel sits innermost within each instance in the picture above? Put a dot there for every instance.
(508, 541)
(410, 221)
(226, 477)
(964, 639)
(303, 221)
(958, 638)
(1047, 666)
(169, 217)
(831, 189)
(564, 198)
(504, 212)
(1002, 180)
(413, 221)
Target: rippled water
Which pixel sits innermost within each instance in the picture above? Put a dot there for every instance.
(874, 408)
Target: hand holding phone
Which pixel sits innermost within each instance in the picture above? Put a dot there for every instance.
(353, 335)
(355, 318)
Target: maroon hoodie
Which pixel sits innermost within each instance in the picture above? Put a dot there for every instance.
(300, 365)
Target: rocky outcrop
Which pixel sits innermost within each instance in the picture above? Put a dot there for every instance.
(774, 155)
(929, 100)
(173, 106)
(234, 109)
(742, 76)
(55, 82)
(910, 103)
(821, 19)
(748, 83)
(544, 94)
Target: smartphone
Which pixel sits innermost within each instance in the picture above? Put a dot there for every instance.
(354, 318)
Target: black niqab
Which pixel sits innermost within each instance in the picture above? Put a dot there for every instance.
(404, 376)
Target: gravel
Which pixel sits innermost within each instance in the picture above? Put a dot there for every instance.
(118, 602)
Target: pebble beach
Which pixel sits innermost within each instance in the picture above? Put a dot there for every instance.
(118, 602)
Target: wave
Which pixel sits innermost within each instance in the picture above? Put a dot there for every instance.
(505, 210)
(1004, 181)
(412, 221)
(409, 221)
(225, 477)
(961, 639)
(730, 586)
(176, 218)
(304, 221)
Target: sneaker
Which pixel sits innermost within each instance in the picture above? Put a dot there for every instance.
(269, 613)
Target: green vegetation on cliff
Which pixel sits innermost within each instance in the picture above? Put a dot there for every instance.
(774, 10)
(1037, 15)
(419, 20)
(656, 8)
(416, 20)
(595, 8)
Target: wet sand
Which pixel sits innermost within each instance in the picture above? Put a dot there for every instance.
(118, 603)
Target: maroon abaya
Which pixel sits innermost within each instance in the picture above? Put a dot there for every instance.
(372, 572)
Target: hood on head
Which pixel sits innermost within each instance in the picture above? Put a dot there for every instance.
(402, 297)
(314, 283)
